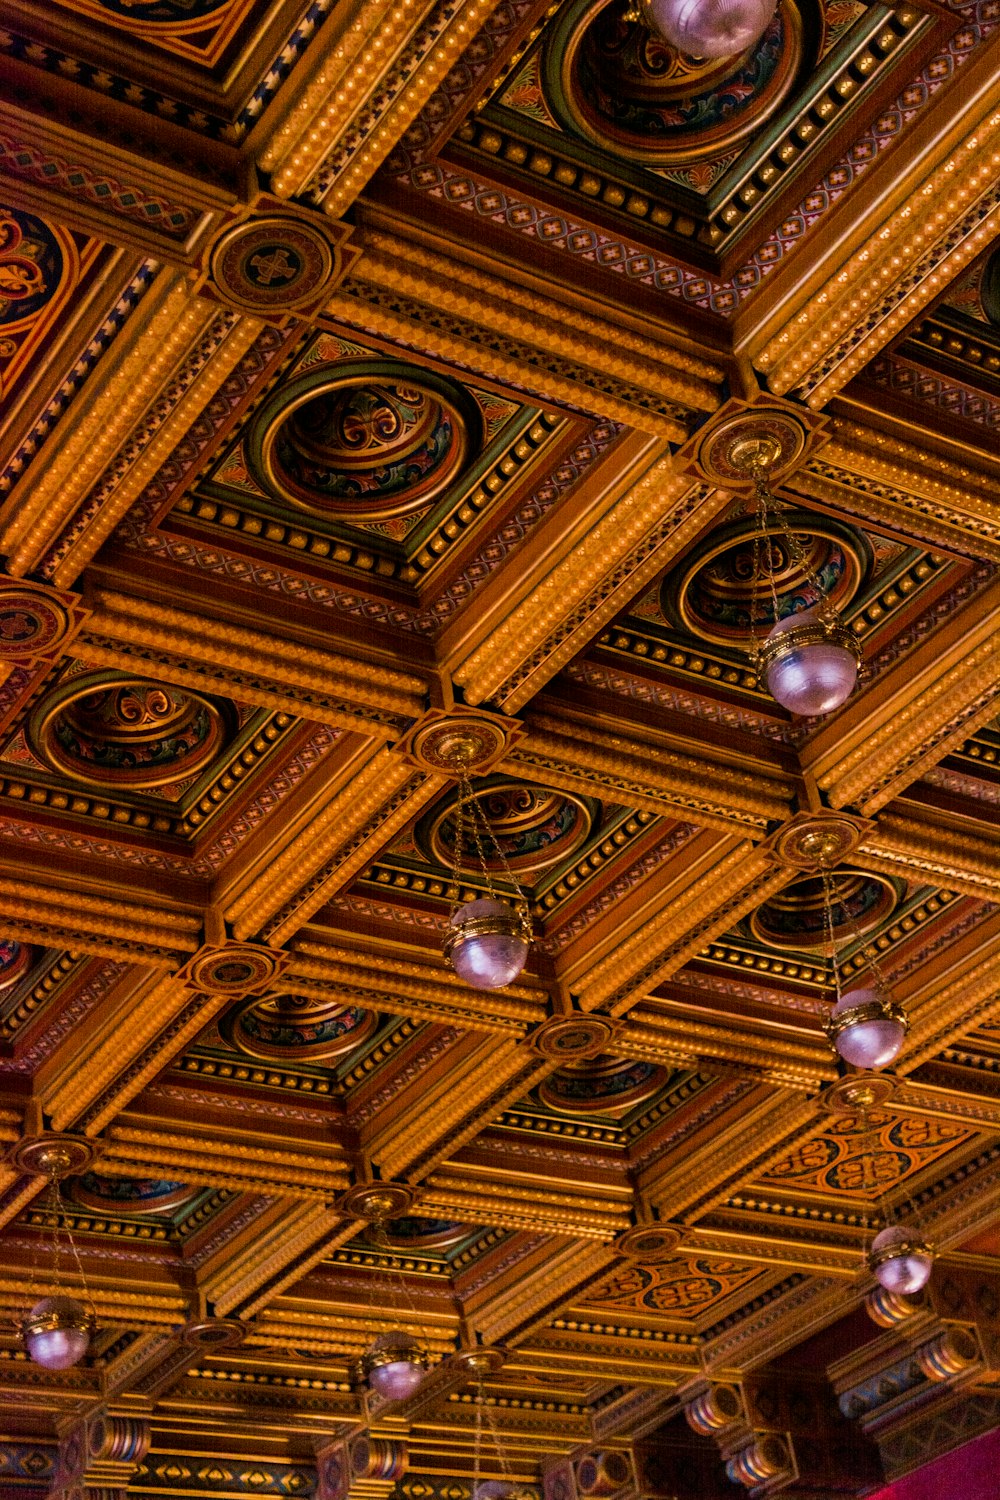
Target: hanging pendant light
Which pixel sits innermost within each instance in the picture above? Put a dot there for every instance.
(709, 28)
(899, 1258)
(865, 1027)
(900, 1261)
(58, 1328)
(481, 1360)
(396, 1360)
(809, 659)
(57, 1332)
(487, 939)
(394, 1364)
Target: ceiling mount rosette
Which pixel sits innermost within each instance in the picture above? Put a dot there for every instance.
(372, 440)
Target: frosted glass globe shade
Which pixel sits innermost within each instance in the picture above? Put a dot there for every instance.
(486, 945)
(874, 1037)
(710, 28)
(807, 673)
(901, 1263)
(395, 1365)
(396, 1381)
(57, 1333)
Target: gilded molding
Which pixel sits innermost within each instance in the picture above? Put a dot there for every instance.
(202, 643)
(446, 1192)
(690, 919)
(244, 1165)
(149, 1012)
(91, 924)
(390, 807)
(523, 314)
(155, 341)
(355, 84)
(637, 535)
(916, 718)
(117, 499)
(656, 776)
(762, 1129)
(446, 1117)
(462, 343)
(428, 1001)
(684, 1042)
(904, 844)
(271, 1254)
(329, 852)
(561, 1277)
(946, 220)
(942, 1013)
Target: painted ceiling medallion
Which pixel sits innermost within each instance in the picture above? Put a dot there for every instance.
(715, 595)
(601, 1086)
(130, 1195)
(426, 1234)
(533, 827)
(624, 87)
(125, 732)
(380, 439)
(271, 264)
(297, 1028)
(15, 961)
(795, 919)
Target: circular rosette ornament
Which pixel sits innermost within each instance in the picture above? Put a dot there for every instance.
(867, 1029)
(394, 1364)
(56, 1332)
(487, 943)
(900, 1261)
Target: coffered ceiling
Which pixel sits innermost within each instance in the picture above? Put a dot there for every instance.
(361, 370)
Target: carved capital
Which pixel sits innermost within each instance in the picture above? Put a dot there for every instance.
(99, 1455)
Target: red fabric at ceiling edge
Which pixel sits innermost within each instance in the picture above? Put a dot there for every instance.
(971, 1472)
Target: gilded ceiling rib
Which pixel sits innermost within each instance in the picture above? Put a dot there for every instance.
(644, 522)
(131, 1150)
(906, 263)
(690, 918)
(158, 339)
(198, 645)
(683, 1041)
(909, 843)
(506, 306)
(303, 1229)
(408, 990)
(942, 1012)
(926, 706)
(462, 342)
